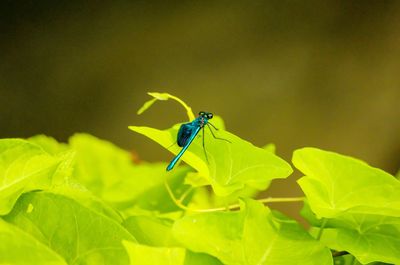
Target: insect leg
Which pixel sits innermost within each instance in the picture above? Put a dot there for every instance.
(204, 147)
(214, 134)
(209, 123)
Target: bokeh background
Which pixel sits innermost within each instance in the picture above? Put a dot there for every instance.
(293, 73)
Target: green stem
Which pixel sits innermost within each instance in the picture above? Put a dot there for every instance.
(290, 199)
(178, 202)
(321, 229)
(185, 194)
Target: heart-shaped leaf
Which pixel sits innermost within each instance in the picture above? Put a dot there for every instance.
(370, 238)
(20, 248)
(23, 167)
(254, 235)
(110, 174)
(79, 234)
(335, 184)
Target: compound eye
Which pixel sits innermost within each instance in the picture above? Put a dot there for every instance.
(201, 113)
(209, 115)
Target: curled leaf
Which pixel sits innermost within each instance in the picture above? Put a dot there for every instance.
(165, 96)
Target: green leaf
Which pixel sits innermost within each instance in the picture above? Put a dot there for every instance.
(69, 186)
(78, 234)
(147, 255)
(353, 198)
(59, 150)
(232, 166)
(254, 235)
(155, 197)
(83, 196)
(49, 144)
(23, 167)
(150, 230)
(109, 173)
(100, 165)
(376, 239)
(202, 198)
(193, 258)
(367, 237)
(155, 238)
(270, 147)
(20, 248)
(165, 96)
(335, 184)
(196, 180)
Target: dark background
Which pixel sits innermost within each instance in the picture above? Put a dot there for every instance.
(294, 73)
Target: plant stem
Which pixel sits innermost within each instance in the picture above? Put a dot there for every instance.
(290, 199)
(178, 202)
(185, 194)
(321, 229)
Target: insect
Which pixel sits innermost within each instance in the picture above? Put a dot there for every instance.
(188, 131)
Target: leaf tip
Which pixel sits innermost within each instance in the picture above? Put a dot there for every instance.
(132, 128)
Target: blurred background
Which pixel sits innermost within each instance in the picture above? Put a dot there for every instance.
(293, 73)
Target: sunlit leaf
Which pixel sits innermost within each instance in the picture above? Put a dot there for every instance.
(270, 147)
(23, 167)
(150, 230)
(88, 202)
(157, 198)
(254, 235)
(227, 165)
(335, 184)
(109, 173)
(49, 144)
(156, 244)
(367, 237)
(194, 179)
(231, 167)
(193, 258)
(20, 248)
(202, 199)
(76, 191)
(99, 164)
(79, 234)
(147, 255)
(372, 238)
(59, 150)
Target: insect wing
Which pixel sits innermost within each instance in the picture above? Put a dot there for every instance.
(184, 133)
